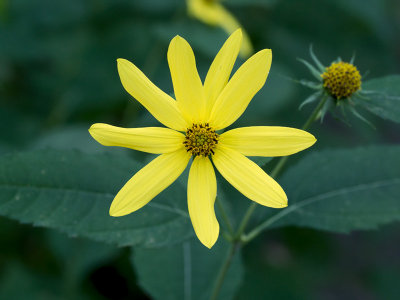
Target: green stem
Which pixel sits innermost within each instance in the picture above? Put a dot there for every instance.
(222, 272)
(240, 238)
(315, 113)
(257, 230)
(277, 170)
(279, 167)
(224, 216)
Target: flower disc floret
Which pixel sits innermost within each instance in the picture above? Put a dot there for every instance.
(341, 80)
(200, 140)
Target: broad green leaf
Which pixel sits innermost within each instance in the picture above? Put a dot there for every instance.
(342, 190)
(72, 191)
(186, 271)
(383, 97)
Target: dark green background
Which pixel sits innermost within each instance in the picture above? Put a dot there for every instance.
(58, 76)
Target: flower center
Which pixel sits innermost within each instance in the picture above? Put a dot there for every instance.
(200, 139)
(341, 80)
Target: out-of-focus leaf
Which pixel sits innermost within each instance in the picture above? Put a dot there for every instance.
(250, 2)
(261, 161)
(342, 190)
(158, 6)
(204, 38)
(79, 256)
(18, 282)
(276, 94)
(186, 271)
(72, 191)
(71, 138)
(383, 97)
(17, 127)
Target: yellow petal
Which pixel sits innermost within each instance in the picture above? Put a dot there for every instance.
(149, 182)
(248, 178)
(151, 139)
(239, 91)
(267, 140)
(214, 14)
(206, 11)
(158, 103)
(202, 190)
(221, 68)
(188, 88)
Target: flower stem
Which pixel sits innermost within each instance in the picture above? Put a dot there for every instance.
(224, 269)
(239, 238)
(275, 173)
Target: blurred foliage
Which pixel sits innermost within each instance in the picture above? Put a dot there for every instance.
(185, 271)
(58, 76)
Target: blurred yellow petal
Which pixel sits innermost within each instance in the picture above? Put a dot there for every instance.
(158, 103)
(267, 140)
(221, 68)
(248, 178)
(188, 88)
(149, 182)
(202, 190)
(229, 23)
(151, 139)
(239, 91)
(214, 14)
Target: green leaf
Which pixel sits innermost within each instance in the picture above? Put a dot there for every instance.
(342, 190)
(186, 271)
(203, 38)
(72, 191)
(78, 256)
(384, 97)
(265, 3)
(17, 281)
(261, 161)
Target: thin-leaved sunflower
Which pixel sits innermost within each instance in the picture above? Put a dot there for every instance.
(194, 121)
(213, 13)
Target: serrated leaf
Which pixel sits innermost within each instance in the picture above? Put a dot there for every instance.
(384, 97)
(342, 190)
(72, 191)
(186, 271)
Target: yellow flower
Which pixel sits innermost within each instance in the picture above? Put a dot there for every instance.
(193, 120)
(213, 13)
(341, 80)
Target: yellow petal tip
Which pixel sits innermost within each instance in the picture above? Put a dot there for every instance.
(209, 244)
(267, 52)
(121, 60)
(92, 129)
(238, 32)
(177, 38)
(116, 212)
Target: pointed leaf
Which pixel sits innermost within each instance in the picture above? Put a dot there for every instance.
(72, 191)
(384, 97)
(342, 190)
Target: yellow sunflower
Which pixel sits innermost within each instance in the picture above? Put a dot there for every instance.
(194, 120)
(212, 13)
